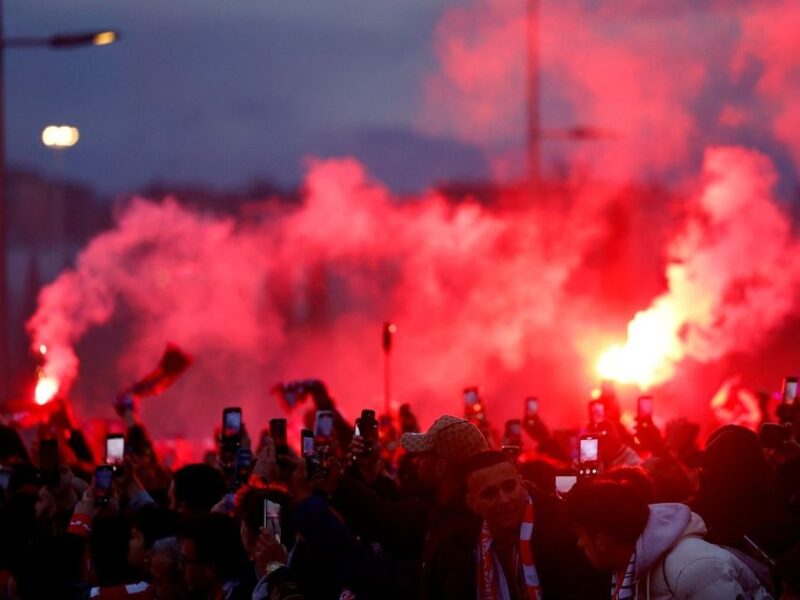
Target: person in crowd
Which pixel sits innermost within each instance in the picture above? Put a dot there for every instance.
(655, 551)
(195, 489)
(212, 559)
(415, 528)
(636, 477)
(148, 525)
(165, 573)
(524, 546)
(268, 556)
(671, 481)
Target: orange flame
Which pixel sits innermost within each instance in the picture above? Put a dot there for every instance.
(46, 389)
(647, 358)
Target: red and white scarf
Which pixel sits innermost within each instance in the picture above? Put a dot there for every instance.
(488, 582)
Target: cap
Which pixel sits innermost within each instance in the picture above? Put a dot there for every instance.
(450, 437)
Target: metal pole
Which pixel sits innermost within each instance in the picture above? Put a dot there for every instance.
(387, 385)
(533, 89)
(5, 368)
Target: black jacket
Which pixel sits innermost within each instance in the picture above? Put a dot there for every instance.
(445, 539)
(564, 571)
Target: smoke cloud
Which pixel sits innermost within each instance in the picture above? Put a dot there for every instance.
(656, 85)
(521, 296)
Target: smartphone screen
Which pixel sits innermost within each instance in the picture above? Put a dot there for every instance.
(231, 423)
(115, 449)
(789, 389)
(531, 406)
(597, 412)
(471, 397)
(306, 443)
(588, 449)
(277, 431)
(102, 484)
(5, 478)
(272, 518)
(323, 424)
(49, 462)
(645, 407)
(564, 483)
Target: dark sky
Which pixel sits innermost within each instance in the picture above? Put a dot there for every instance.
(223, 93)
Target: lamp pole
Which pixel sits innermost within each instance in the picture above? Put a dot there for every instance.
(56, 42)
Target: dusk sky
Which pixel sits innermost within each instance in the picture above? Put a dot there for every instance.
(226, 93)
(421, 91)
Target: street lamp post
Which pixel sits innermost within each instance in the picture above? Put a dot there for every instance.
(56, 42)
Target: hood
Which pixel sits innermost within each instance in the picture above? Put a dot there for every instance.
(667, 525)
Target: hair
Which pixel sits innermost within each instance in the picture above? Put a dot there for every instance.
(155, 523)
(614, 508)
(199, 487)
(671, 482)
(634, 476)
(109, 547)
(484, 460)
(216, 542)
(541, 474)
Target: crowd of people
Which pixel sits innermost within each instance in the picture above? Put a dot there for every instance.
(378, 509)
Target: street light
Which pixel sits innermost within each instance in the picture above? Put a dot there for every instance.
(60, 136)
(63, 41)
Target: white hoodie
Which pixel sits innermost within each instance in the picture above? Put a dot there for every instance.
(673, 561)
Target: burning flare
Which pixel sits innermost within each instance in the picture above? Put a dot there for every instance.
(652, 348)
(46, 389)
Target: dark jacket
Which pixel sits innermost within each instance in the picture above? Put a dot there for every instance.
(414, 529)
(564, 571)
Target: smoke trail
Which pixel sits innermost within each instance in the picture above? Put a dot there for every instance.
(732, 275)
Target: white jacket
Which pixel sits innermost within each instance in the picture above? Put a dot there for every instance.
(674, 561)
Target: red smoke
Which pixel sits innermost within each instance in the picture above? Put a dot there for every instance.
(521, 297)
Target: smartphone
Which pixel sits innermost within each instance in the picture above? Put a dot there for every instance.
(644, 408)
(564, 483)
(772, 435)
(367, 428)
(115, 449)
(531, 406)
(323, 426)
(789, 389)
(232, 424)
(306, 443)
(471, 398)
(513, 432)
(271, 520)
(588, 454)
(103, 476)
(49, 462)
(277, 431)
(5, 478)
(242, 467)
(597, 412)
